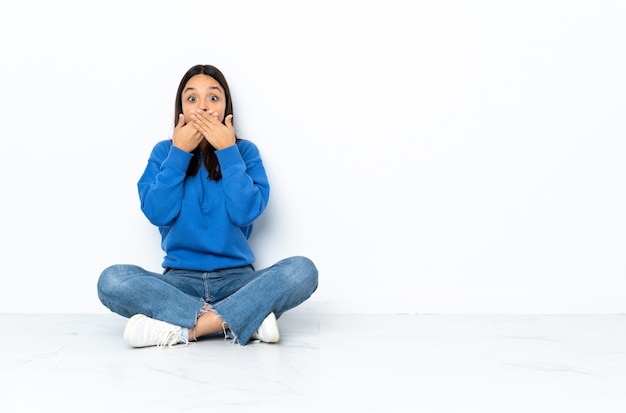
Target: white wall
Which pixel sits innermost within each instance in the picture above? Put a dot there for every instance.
(429, 156)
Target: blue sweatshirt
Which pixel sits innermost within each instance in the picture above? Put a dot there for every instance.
(204, 224)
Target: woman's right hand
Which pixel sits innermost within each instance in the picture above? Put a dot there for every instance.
(186, 136)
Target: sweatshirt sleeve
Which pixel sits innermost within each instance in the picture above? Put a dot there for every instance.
(244, 181)
(161, 185)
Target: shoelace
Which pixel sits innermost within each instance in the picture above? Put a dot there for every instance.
(171, 340)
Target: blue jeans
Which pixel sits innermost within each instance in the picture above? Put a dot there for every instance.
(242, 296)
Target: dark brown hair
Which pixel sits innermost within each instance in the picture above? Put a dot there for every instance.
(209, 159)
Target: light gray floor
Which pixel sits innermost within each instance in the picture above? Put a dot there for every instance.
(324, 363)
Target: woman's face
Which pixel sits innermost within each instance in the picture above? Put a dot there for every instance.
(202, 92)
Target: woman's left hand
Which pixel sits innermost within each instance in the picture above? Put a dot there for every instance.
(220, 135)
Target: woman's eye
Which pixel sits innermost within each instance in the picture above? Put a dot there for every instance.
(191, 99)
(213, 98)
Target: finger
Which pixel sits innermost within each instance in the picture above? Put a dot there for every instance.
(211, 117)
(181, 121)
(199, 117)
(205, 122)
(229, 121)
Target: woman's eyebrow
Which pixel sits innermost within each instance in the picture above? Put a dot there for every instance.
(209, 88)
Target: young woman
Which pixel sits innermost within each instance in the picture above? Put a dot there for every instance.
(203, 189)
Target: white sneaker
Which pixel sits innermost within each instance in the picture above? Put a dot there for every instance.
(143, 331)
(268, 330)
